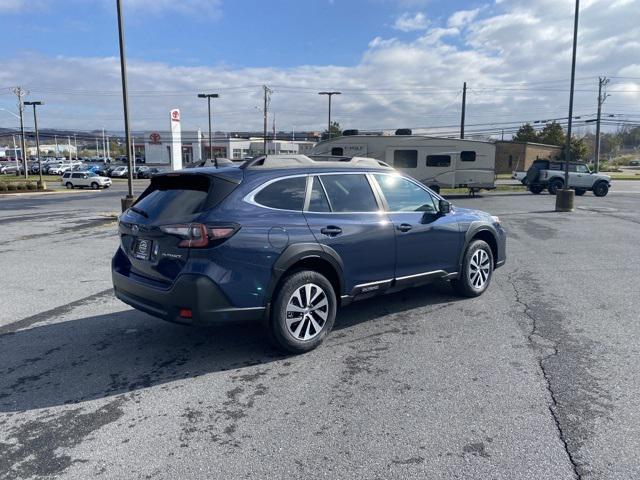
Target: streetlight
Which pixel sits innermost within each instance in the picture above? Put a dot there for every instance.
(566, 196)
(209, 96)
(128, 200)
(35, 124)
(329, 94)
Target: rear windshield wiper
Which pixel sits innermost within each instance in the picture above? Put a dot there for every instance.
(140, 211)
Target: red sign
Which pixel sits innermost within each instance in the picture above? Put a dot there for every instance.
(154, 138)
(175, 115)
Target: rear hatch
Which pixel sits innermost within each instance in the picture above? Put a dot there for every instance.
(172, 202)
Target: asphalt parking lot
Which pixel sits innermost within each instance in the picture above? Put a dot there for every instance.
(538, 378)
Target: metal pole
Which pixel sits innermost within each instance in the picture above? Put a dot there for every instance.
(127, 133)
(35, 125)
(75, 143)
(69, 144)
(602, 82)
(573, 78)
(108, 148)
(15, 152)
(23, 146)
(133, 147)
(329, 122)
(464, 107)
(266, 90)
(104, 146)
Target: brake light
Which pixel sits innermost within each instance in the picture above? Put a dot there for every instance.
(198, 235)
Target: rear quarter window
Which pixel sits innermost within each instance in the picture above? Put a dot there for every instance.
(285, 194)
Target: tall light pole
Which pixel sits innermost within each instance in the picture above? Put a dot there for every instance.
(128, 200)
(21, 92)
(209, 96)
(565, 196)
(329, 94)
(35, 125)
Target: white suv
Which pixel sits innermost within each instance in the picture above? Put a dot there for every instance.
(85, 179)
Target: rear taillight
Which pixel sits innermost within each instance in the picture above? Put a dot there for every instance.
(198, 235)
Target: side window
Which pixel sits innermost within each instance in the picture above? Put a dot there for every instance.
(405, 158)
(337, 151)
(318, 201)
(349, 193)
(286, 194)
(582, 169)
(76, 175)
(405, 196)
(468, 156)
(438, 160)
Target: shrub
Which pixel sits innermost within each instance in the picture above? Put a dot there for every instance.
(3, 187)
(31, 186)
(21, 186)
(12, 187)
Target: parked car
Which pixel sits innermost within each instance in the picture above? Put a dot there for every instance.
(119, 172)
(289, 240)
(150, 172)
(8, 168)
(549, 174)
(84, 179)
(59, 169)
(138, 171)
(634, 163)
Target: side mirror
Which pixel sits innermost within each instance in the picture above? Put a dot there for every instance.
(444, 207)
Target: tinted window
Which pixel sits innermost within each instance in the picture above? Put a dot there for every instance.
(438, 160)
(285, 194)
(318, 201)
(337, 151)
(405, 158)
(77, 175)
(468, 156)
(405, 196)
(349, 193)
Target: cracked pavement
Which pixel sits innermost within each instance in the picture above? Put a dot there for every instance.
(537, 378)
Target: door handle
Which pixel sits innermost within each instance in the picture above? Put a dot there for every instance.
(404, 227)
(331, 231)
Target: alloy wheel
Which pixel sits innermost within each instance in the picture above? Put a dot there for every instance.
(307, 311)
(479, 269)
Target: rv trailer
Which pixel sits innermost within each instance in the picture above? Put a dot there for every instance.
(436, 162)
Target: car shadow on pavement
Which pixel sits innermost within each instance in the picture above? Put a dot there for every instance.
(106, 355)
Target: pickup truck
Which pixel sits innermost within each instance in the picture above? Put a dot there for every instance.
(549, 174)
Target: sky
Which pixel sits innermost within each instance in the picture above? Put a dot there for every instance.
(398, 63)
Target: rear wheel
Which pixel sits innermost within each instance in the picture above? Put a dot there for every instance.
(69, 185)
(580, 191)
(536, 189)
(555, 185)
(477, 269)
(303, 312)
(600, 189)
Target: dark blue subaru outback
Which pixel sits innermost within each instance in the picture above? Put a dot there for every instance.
(288, 239)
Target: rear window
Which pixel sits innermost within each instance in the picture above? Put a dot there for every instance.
(174, 197)
(285, 194)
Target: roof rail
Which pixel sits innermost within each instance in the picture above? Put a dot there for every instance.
(296, 161)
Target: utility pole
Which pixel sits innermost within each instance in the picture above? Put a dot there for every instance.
(602, 82)
(128, 200)
(69, 145)
(329, 94)
(75, 143)
(108, 149)
(97, 148)
(133, 147)
(209, 96)
(15, 152)
(267, 98)
(566, 196)
(57, 151)
(20, 92)
(104, 146)
(274, 129)
(464, 107)
(35, 126)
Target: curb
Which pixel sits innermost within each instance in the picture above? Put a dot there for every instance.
(47, 192)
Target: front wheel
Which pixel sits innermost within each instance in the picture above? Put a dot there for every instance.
(95, 186)
(477, 269)
(600, 189)
(303, 313)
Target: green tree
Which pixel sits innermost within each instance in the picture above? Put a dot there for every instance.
(579, 149)
(552, 134)
(526, 133)
(336, 131)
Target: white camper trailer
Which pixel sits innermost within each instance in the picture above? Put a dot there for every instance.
(436, 162)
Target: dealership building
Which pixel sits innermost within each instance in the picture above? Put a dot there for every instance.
(155, 147)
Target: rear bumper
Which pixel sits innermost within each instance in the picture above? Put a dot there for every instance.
(208, 304)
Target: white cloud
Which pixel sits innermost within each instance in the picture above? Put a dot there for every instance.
(409, 23)
(462, 17)
(515, 58)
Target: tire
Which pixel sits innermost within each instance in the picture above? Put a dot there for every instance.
(580, 191)
(470, 284)
(536, 189)
(555, 185)
(69, 185)
(95, 186)
(600, 189)
(289, 334)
